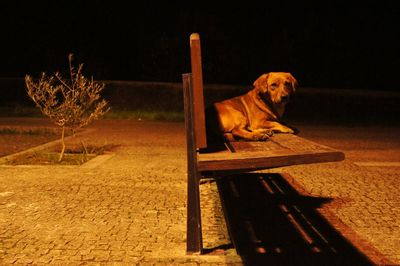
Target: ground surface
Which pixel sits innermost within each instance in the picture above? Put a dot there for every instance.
(12, 143)
(130, 206)
(16, 136)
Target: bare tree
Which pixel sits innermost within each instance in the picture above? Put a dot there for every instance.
(72, 103)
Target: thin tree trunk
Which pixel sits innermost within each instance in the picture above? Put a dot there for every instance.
(63, 145)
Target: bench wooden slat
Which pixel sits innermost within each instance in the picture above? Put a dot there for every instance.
(197, 86)
(281, 150)
(194, 235)
(279, 142)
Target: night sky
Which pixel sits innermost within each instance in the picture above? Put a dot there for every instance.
(323, 45)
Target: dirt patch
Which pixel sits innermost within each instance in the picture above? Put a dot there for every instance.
(76, 154)
(51, 158)
(16, 139)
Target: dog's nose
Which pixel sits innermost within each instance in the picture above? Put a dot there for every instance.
(285, 98)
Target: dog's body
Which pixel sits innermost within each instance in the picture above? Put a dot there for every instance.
(256, 114)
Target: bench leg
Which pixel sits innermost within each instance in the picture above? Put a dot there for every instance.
(194, 240)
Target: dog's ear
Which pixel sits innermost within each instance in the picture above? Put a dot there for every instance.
(294, 82)
(261, 83)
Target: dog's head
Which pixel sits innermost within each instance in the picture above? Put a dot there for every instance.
(276, 87)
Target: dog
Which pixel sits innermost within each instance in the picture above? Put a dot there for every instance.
(256, 115)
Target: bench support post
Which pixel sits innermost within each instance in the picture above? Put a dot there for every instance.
(194, 241)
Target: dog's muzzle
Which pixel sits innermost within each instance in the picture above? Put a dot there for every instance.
(285, 99)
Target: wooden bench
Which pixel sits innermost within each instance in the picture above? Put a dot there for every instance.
(280, 150)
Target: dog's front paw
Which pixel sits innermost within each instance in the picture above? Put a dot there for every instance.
(283, 130)
(288, 131)
(269, 132)
(260, 137)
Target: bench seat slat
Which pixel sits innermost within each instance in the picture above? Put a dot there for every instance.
(279, 142)
(281, 150)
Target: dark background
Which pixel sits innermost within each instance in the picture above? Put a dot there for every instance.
(328, 45)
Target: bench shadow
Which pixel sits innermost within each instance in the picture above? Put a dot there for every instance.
(270, 223)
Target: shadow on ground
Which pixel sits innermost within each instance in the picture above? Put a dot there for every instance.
(270, 223)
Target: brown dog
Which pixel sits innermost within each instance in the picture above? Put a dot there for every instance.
(256, 114)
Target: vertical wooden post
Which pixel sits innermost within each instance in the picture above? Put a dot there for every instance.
(194, 241)
(197, 79)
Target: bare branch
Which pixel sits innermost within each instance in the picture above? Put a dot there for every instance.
(72, 104)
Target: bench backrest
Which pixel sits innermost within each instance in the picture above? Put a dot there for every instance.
(197, 99)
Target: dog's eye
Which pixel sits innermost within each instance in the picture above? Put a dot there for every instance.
(288, 85)
(274, 86)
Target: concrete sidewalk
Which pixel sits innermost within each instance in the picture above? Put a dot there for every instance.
(130, 207)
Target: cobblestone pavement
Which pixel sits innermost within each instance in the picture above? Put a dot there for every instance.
(131, 207)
